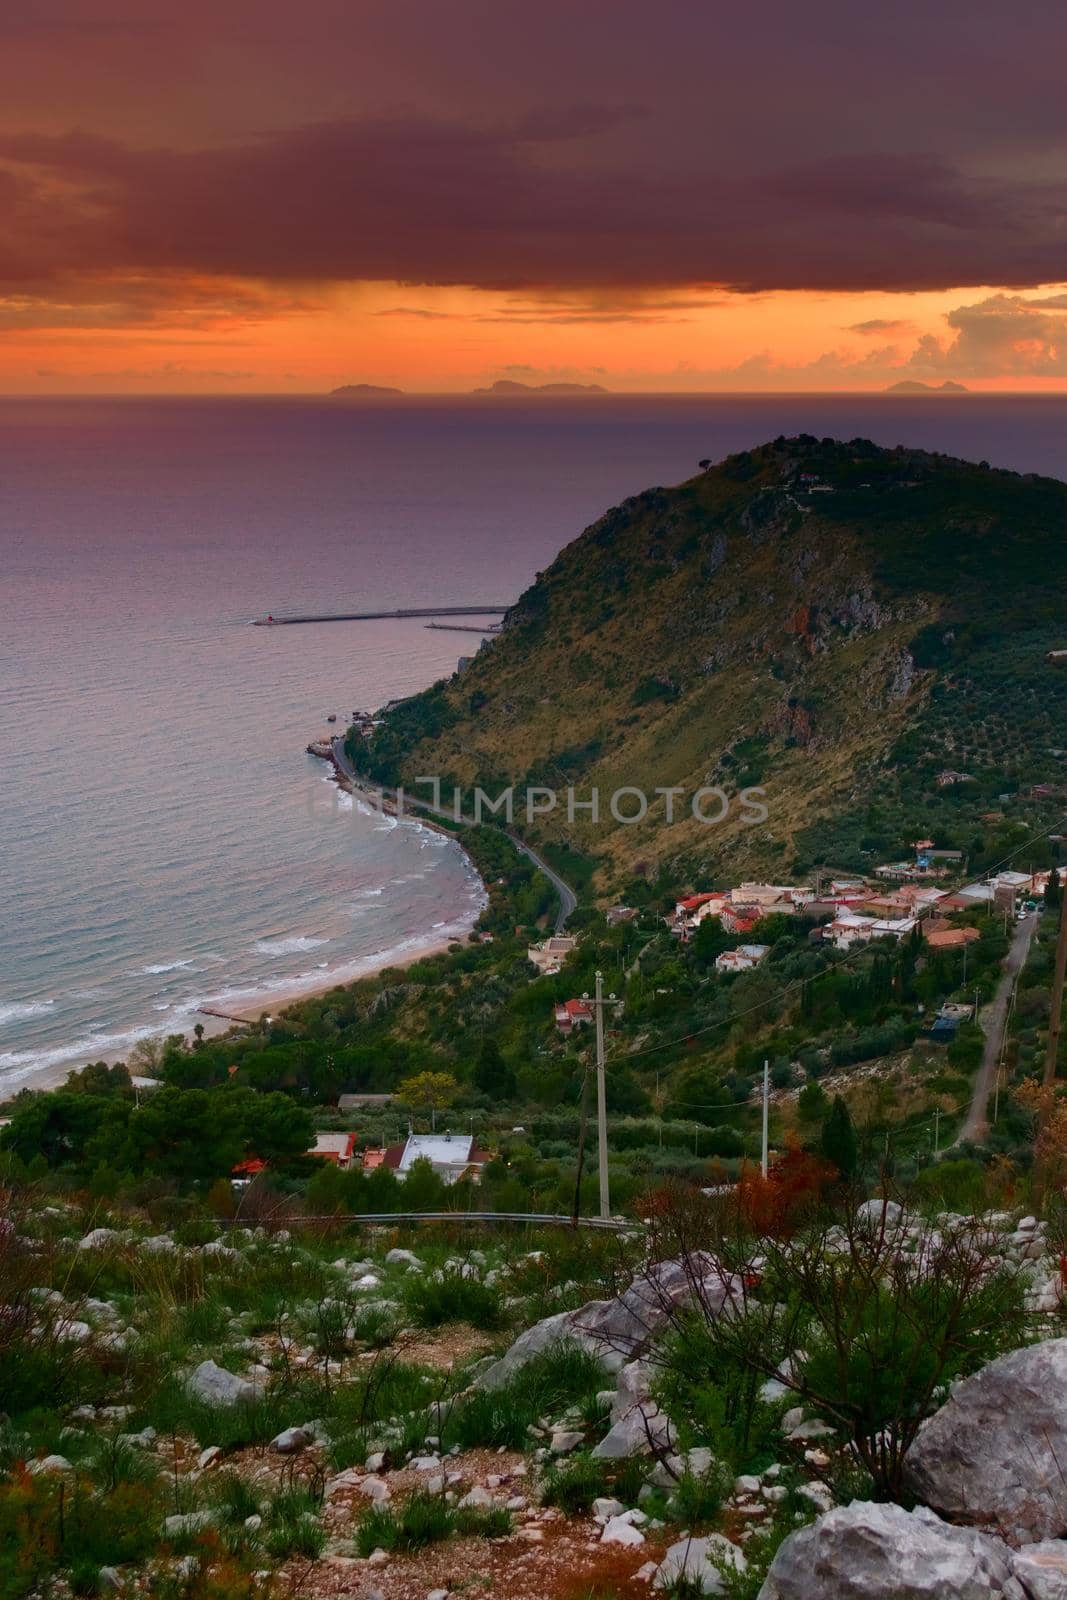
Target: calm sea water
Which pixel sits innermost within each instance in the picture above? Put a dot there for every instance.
(164, 841)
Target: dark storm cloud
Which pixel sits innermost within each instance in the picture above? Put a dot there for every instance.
(611, 146)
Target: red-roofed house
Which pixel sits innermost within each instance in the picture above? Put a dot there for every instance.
(740, 919)
(335, 1147)
(571, 1014)
(250, 1168)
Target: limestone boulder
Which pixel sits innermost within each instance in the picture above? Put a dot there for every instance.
(699, 1564)
(216, 1387)
(995, 1453)
(1042, 1569)
(619, 1330)
(880, 1552)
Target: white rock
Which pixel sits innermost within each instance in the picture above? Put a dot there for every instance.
(186, 1522)
(566, 1440)
(880, 1214)
(402, 1258)
(995, 1452)
(290, 1440)
(99, 1239)
(605, 1508)
(50, 1464)
(216, 1387)
(477, 1498)
(70, 1331)
(620, 1530)
(1042, 1569)
(700, 1562)
(880, 1552)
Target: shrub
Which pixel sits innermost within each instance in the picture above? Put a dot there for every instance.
(573, 1485)
(432, 1300)
(561, 1377)
(426, 1519)
(293, 1527)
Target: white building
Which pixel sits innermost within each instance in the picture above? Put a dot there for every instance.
(743, 959)
(451, 1155)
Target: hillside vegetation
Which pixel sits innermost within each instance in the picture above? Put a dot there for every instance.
(834, 622)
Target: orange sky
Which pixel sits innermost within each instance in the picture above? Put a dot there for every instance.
(243, 337)
(252, 197)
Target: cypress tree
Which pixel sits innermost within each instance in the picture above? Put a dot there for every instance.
(837, 1143)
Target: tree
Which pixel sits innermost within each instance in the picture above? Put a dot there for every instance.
(812, 1102)
(1052, 890)
(423, 1189)
(428, 1091)
(837, 1143)
(327, 1192)
(492, 1074)
(875, 1332)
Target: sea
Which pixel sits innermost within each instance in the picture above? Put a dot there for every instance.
(166, 844)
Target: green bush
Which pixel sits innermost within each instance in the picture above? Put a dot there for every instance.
(292, 1526)
(574, 1484)
(434, 1299)
(426, 1519)
(560, 1378)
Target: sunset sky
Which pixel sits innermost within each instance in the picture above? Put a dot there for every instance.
(682, 195)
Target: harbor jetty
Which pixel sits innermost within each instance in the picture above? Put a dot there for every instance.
(375, 616)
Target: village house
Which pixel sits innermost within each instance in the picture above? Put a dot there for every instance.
(743, 959)
(888, 907)
(741, 919)
(451, 1155)
(950, 938)
(617, 914)
(1016, 882)
(946, 779)
(691, 912)
(779, 896)
(362, 1102)
(853, 927)
(548, 956)
(335, 1147)
(571, 1014)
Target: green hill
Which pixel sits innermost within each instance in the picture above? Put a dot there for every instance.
(834, 622)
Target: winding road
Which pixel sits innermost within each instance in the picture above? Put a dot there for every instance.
(976, 1122)
(568, 900)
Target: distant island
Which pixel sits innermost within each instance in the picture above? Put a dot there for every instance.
(364, 391)
(913, 386)
(506, 386)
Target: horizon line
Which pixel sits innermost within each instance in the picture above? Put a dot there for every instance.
(533, 393)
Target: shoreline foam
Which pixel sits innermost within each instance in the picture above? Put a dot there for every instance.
(115, 1047)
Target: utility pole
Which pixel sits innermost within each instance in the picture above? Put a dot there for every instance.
(764, 1158)
(1056, 1007)
(602, 1094)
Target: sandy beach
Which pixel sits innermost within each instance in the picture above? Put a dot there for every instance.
(278, 1003)
(248, 1013)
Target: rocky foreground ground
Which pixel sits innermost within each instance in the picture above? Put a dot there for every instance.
(261, 1414)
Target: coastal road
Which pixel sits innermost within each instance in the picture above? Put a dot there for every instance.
(568, 900)
(976, 1124)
